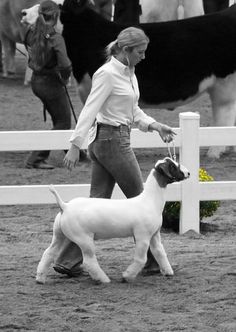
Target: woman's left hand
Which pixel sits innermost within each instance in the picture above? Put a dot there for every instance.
(167, 134)
(72, 157)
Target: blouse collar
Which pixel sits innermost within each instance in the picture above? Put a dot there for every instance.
(121, 67)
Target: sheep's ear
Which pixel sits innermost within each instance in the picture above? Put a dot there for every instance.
(167, 169)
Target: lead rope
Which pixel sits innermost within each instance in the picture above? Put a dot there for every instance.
(172, 156)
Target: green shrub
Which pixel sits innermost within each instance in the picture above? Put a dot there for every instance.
(172, 209)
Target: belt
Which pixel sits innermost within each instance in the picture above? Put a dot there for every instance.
(120, 128)
(47, 75)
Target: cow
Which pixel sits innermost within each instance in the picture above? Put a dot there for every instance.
(168, 10)
(184, 58)
(136, 11)
(12, 31)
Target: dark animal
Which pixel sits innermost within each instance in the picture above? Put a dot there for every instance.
(211, 6)
(184, 58)
(127, 12)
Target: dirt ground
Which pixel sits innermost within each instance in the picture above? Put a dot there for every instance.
(199, 297)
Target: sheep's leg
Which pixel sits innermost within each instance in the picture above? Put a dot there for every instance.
(90, 263)
(140, 258)
(159, 253)
(50, 253)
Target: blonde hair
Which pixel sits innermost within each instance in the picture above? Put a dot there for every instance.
(129, 37)
(48, 14)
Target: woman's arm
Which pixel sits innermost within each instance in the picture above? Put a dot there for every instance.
(101, 88)
(166, 132)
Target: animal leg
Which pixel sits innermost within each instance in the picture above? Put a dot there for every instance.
(234, 148)
(84, 87)
(90, 263)
(28, 75)
(9, 50)
(159, 253)
(140, 258)
(223, 111)
(50, 253)
(1, 57)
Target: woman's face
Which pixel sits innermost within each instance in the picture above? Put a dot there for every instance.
(137, 54)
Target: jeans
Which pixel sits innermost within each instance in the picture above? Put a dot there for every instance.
(52, 93)
(113, 161)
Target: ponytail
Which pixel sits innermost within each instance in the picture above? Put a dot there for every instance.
(112, 49)
(41, 32)
(39, 45)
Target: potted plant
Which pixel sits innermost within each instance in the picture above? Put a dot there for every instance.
(172, 209)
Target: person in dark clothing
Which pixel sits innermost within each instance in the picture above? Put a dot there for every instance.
(51, 70)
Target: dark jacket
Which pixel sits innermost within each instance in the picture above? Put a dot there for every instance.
(57, 61)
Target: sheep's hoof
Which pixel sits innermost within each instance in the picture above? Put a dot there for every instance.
(127, 280)
(98, 282)
(104, 280)
(126, 277)
(167, 273)
(40, 280)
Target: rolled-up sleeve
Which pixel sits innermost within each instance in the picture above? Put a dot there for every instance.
(141, 119)
(101, 89)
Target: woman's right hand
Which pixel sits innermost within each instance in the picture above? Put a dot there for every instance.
(72, 157)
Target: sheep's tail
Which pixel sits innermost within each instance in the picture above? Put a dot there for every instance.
(60, 202)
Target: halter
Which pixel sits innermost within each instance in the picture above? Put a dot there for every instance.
(172, 156)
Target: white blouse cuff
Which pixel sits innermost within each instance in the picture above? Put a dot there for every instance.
(78, 141)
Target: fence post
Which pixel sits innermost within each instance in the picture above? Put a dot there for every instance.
(189, 157)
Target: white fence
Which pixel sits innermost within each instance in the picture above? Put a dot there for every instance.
(190, 137)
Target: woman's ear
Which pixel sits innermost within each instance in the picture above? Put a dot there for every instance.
(125, 49)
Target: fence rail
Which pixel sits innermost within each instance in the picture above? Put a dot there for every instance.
(190, 137)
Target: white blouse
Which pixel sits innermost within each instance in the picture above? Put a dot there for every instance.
(113, 100)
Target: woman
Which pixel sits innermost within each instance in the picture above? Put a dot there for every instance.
(110, 110)
(51, 69)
